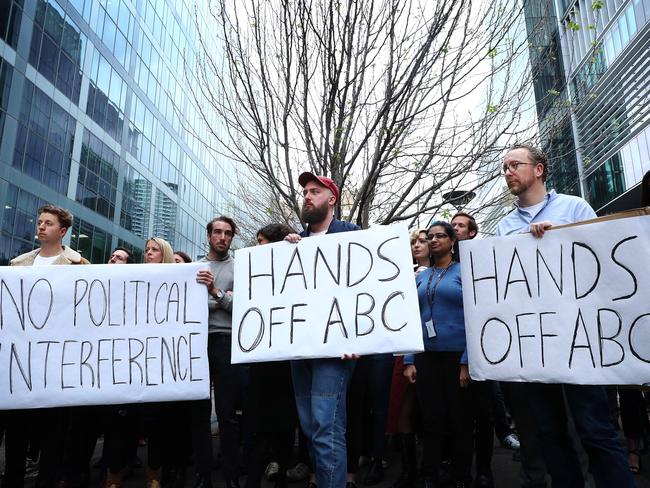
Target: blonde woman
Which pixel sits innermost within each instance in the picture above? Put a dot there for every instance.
(152, 415)
(158, 250)
(420, 250)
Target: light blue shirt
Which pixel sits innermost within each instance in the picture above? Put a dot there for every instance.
(558, 209)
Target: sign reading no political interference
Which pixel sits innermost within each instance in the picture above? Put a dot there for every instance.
(350, 292)
(571, 307)
(102, 334)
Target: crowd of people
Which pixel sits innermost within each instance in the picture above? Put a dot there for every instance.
(343, 410)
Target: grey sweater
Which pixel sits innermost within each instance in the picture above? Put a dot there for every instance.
(220, 311)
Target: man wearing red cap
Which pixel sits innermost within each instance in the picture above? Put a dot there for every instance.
(320, 385)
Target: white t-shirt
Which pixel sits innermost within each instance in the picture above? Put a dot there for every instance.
(321, 233)
(41, 260)
(533, 209)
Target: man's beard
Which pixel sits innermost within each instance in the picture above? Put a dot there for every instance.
(518, 188)
(315, 214)
(220, 254)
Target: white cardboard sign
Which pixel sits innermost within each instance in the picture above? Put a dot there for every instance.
(349, 292)
(571, 307)
(102, 334)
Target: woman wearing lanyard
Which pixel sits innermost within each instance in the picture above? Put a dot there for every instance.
(440, 373)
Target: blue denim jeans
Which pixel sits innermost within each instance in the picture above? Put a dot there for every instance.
(320, 386)
(589, 410)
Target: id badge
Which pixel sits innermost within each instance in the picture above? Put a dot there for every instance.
(431, 331)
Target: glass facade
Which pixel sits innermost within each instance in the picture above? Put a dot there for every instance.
(10, 18)
(602, 113)
(609, 75)
(96, 116)
(620, 172)
(43, 144)
(551, 95)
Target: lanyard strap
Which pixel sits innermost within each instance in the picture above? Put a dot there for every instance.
(431, 293)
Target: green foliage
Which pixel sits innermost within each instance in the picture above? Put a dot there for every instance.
(492, 109)
(597, 5)
(555, 93)
(573, 26)
(492, 53)
(446, 214)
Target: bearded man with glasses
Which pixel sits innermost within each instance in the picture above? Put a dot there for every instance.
(547, 408)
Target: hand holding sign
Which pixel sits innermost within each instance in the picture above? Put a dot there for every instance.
(538, 228)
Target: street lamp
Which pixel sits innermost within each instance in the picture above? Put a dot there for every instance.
(458, 198)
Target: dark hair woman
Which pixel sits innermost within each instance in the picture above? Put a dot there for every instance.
(271, 412)
(273, 233)
(182, 257)
(441, 371)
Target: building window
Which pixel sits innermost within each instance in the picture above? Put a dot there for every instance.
(164, 224)
(106, 97)
(18, 223)
(136, 203)
(98, 170)
(91, 242)
(44, 139)
(57, 49)
(11, 14)
(5, 90)
(606, 183)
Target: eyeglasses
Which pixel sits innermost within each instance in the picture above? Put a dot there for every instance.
(513, 165)
(439, 236)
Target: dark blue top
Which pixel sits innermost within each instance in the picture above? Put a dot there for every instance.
(335, 226)
(447, 308)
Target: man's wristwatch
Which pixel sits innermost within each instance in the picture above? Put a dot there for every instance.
(218, 295)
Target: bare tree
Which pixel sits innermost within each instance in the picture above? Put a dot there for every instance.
(399, 101)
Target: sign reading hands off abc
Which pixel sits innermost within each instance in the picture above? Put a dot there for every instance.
(343, 293)
(571, 307)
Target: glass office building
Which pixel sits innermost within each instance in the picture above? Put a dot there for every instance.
(96, 116)
(592, 65)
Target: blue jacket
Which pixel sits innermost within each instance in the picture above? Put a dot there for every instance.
(335, 226)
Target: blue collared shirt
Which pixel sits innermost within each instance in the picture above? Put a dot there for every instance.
(558, 209)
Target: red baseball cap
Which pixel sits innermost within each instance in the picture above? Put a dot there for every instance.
(328, 183)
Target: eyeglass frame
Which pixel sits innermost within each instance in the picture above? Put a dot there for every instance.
(513, 166)
(437, 236)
